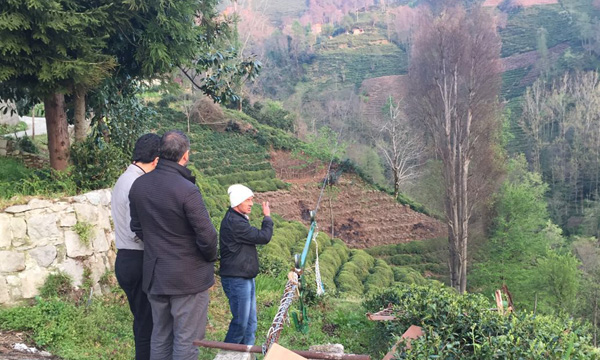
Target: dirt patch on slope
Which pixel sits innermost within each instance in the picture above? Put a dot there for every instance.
(529, 58)
(362, 217)
(378, 90)
(528, 3)
(519, 3)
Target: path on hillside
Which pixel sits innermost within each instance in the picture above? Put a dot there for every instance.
(40, 126)
(362, 217)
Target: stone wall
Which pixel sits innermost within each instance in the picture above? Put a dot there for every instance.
(8, 148)
(39, 238)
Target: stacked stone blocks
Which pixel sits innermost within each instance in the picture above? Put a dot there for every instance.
(38, 239)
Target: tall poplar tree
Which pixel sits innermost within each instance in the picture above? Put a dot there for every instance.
(455, 81)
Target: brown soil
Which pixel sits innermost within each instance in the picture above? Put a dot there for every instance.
(379, 89)
(517, 3)
(491, 3)
(528, 3)
(362, 217)
(9, 338)
(529, 58)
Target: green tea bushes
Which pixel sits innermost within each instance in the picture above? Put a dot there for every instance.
(354, 272)
(381, 277)
(330, 261)
(463, 327)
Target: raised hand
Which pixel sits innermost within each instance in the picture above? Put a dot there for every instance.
(266, 208)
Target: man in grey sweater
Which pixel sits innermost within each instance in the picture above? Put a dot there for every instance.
(130, 255)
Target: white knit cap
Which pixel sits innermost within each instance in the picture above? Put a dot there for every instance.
(238, 193)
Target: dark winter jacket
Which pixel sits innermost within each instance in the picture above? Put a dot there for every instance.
(237, 243)
(180, 242)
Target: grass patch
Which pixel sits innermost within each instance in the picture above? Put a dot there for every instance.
(13, 170)
(57, 285)
(101, 330)
(85, 232)
(11, 129)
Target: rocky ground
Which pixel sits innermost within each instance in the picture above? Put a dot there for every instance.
(24, 349)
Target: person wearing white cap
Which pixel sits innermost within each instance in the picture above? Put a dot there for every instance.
(239, 261)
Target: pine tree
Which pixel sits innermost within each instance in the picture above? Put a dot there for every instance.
(51, 48)
(47, 48)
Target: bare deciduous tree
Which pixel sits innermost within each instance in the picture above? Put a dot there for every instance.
(454, 82)
(533, 119)
(399, 146)
(562, 121)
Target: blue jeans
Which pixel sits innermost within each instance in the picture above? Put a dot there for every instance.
(242, 302)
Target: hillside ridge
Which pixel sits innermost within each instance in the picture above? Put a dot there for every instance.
(363, 217)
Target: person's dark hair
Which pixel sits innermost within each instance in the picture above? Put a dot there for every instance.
(146, 148)
(173, 145)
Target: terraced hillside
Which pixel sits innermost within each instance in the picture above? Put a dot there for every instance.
(344, 272)
(344, 61)
(231, 158)
(378, 90)
(362, 217)
(428, 257)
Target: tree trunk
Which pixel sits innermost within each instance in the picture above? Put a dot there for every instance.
(332, 222)
(32, 123)
(396, 184)
(58, 134)
(81, 123)
(596, 318)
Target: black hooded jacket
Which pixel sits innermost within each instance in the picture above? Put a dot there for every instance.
(237, 243)
(180, 242)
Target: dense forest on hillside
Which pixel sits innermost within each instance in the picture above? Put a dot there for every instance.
(489, 131)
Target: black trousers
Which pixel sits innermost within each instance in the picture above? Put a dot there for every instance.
(128, 269)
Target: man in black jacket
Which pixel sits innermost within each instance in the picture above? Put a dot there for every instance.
(239, 262)
(180, 242)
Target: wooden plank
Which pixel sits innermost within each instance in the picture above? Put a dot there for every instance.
(413, 332)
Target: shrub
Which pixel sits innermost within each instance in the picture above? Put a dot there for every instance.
(85, 232)
(96, 165)
(337, 253)
(266, 185)
(408, 275)
(272, 114)
(45, 182)
(10, 129)
(166, 100)
(461, 327)
(404, 259)
(273, 265)
(381, 277)
(244, 177)
(57, 285)
(25, 144)
(11, 171)
(276, 138)
(346, 282)
(363, 262)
